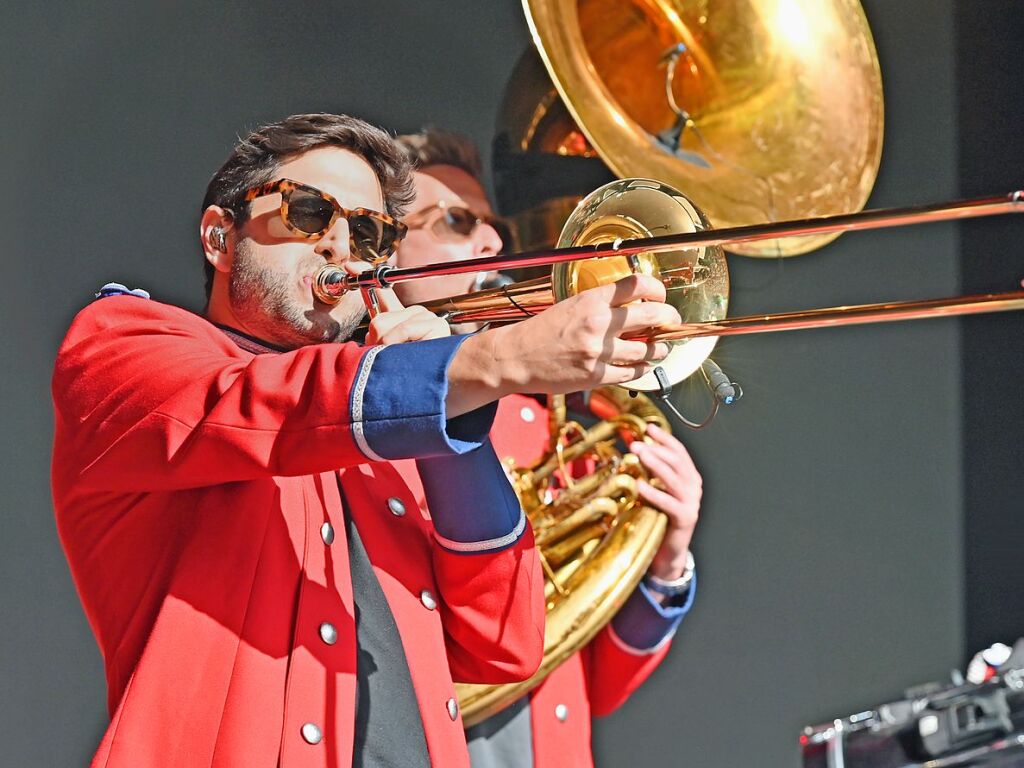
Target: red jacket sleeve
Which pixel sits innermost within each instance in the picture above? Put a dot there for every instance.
(152, 398)
(486, 565)
(632, 645)
(614, 670)
(492, 610)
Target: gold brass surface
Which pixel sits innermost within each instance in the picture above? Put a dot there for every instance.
(777, 104)
(596, 538)
(696, 279)
(646, 227)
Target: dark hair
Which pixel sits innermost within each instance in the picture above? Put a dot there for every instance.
(433, 147)
(256, 158)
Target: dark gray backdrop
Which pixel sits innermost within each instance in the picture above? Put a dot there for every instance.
(831, 546)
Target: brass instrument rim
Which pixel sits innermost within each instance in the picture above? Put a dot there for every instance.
(629, 150)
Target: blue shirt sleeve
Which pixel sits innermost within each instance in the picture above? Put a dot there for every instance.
(645, 624)
(471, 502)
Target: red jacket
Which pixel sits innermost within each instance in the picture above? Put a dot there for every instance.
(195, 486)
(598, 679)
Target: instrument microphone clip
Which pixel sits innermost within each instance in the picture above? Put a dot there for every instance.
(725, 391)
(665, 389)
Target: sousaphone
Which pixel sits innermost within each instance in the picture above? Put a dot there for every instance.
(757, 110)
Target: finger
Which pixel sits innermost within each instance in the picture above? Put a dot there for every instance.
(648, 314)
(610, 373)
(417, 328)
(622, 352)
(418, 314)
(637, 288)
(388, 300)
(385, 322)
(401, 314)
(628, 289)
(413, 332)
(660, 466)
(681, 457)
(672, 465)
(681, 515)
(421, 329)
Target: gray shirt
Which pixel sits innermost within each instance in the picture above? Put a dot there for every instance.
(389, 729)
(504, 740)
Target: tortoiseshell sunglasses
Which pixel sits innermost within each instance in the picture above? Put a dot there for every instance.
(309, 213)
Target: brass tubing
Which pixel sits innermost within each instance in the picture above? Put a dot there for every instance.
(621, 489)
(857, 314)
(569, 500)
(557, 418)
(591, 569)
(332, 281)
(563, 550)
(599, 433)
(514, 302)
(591, 512)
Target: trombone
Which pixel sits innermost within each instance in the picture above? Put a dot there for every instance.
(660, 255)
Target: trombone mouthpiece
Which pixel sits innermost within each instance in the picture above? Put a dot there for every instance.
(329, 284)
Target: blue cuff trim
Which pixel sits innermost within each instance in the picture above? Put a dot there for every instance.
(645, 624)
(471, 501)
(397, 403)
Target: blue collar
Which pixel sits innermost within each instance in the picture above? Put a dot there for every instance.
(249, 343)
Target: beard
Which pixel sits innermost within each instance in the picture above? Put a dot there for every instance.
(265, 301)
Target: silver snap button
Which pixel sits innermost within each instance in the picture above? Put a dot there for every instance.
(428, 600)
(396, 506)
(527, 415)
(453, 709)
(328, 633)
(562, 713)
(327, 533)
(311, 733)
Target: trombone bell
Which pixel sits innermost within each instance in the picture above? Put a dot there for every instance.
(696, 279)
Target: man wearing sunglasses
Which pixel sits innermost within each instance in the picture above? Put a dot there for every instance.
(262, 584)
(450, 218)
(551, 726)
